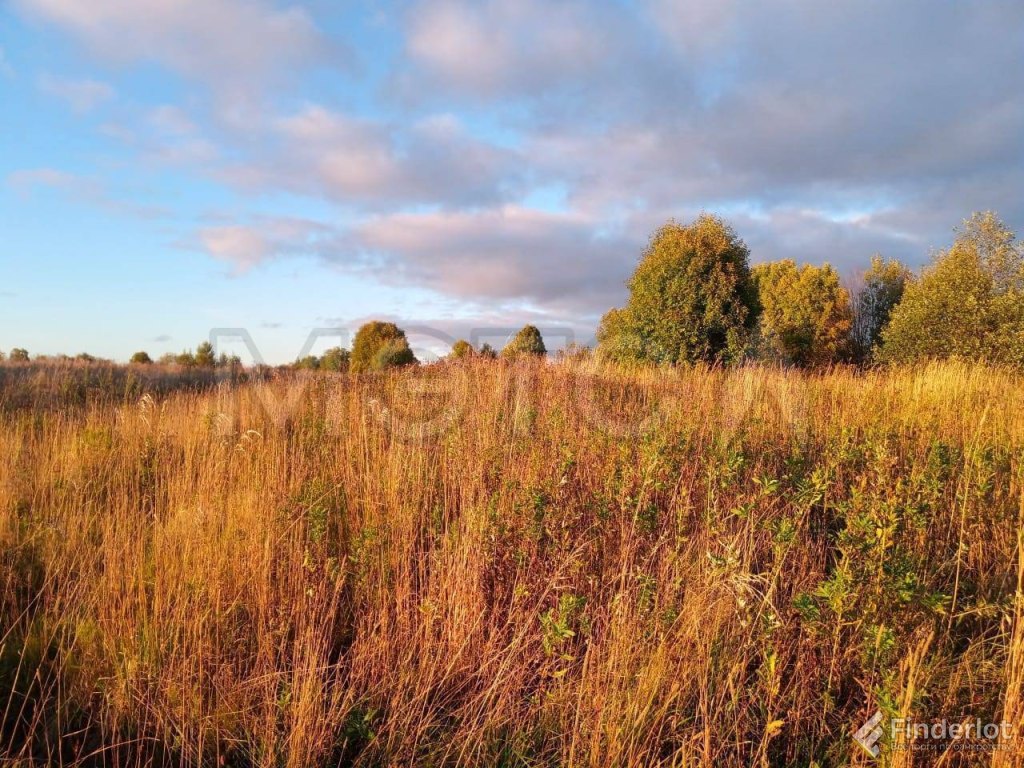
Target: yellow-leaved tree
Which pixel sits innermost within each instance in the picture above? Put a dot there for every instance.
(806, 315)
(379, 345)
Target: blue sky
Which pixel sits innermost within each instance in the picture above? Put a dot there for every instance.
(169, 168)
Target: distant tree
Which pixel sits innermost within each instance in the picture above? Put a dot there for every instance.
(378, 345)
(880, 290)
(335, 359)
(461, 349)
(528, 342)
(394, 354)
(186, 359)
(2, 356)
(691, 298)
(574, 351)
(19, 355)
(141, 358)
(969, 303)
(805, 313)
(85, 357)
(307, 363)
(204, 357)
(487, 352)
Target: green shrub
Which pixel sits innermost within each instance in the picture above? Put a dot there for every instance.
(335, 359)
(394, 354)
(527, 342)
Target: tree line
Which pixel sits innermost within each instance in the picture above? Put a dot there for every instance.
(694, 297)
(379, 345)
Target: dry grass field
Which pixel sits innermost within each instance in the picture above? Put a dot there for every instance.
(512, 564)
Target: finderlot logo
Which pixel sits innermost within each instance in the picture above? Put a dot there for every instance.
(869, 734)
(964, 735)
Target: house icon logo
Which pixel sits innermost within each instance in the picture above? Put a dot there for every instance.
(869, 734)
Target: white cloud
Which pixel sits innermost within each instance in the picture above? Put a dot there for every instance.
(697, 27)
(245, 246)
(376, 164)
(230, 43)
(81, 188)
(164, 135)
(492, 47)
(172, 120)
(82, 95)
(505, 252)
(27, 180)
(778, 115)
(347, 156)
(241, 246)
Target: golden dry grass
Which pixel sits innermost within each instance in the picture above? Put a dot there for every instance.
(513, 565)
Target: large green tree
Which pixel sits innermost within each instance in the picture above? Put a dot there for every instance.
(691, 298)
(379, 345)
(805, 313)
(969, 303)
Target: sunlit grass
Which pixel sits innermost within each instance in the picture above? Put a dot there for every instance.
(512, 564)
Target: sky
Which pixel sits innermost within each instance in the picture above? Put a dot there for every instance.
(174, 167)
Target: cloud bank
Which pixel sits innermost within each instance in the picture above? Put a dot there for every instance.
(520, 152)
